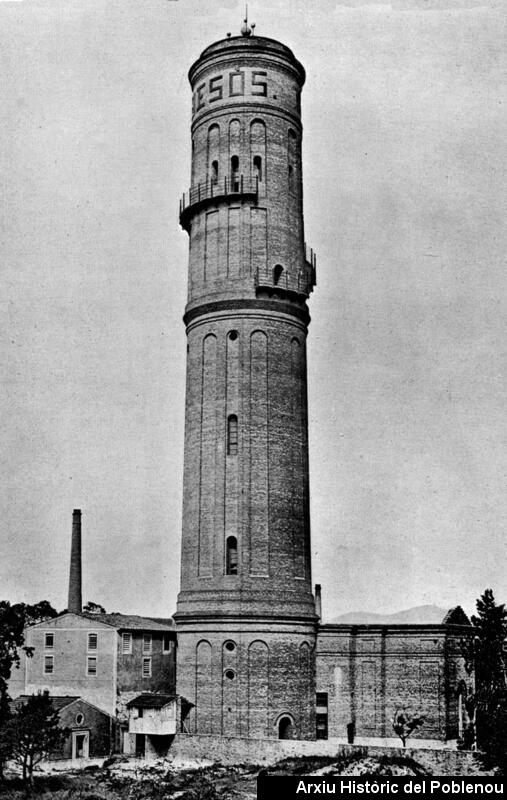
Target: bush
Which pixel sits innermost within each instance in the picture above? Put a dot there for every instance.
(202, 789)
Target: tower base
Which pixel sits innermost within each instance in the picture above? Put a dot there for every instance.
(249, 677)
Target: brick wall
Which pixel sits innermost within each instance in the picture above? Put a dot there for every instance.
(243, 678)
(369, 672)
(265, 752)
(260, 494)
(163, 665)
(248, 109)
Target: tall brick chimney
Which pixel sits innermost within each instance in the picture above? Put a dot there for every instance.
(75, 602)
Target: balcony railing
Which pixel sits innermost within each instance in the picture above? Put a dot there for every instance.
(209, 191)
(300, 282)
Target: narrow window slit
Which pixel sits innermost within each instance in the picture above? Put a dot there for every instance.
(232, 556)
(232, 435)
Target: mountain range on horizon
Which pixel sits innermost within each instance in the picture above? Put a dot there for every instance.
(419, 615)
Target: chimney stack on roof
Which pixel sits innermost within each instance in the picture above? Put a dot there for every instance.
(75, 603)
(318, 600)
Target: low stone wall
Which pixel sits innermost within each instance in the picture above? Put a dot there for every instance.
(227, 750)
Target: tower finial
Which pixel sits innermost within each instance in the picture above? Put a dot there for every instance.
(245, 29)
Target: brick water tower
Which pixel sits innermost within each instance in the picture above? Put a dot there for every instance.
(246, 614)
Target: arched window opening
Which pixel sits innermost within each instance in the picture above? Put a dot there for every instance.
(213, 148)
(214, 172)
(291, 178)
(232, 435)
(285, 728)
(460, 715)
(462, 697)
(277, 274)
(235, 174)
(231, 567)
(257, 168)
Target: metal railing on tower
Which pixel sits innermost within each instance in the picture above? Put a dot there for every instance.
(216, 189)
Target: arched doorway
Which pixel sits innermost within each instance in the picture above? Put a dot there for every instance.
(285, 728)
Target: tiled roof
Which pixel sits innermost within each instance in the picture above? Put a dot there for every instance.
(150, 700)
(58, 702)
(132, 622)
(456, 616)
(164, 621)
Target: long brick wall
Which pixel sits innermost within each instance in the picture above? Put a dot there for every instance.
(368, 672)
(265, 752)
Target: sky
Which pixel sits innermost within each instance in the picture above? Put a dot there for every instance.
(405, 185)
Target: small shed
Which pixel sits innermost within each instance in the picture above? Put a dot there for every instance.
(153, 719)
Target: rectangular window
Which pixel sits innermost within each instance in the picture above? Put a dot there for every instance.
(321, 725)
(147, 643)
(146, 667)
(232, 435)
(321, 715)
(92, 641)
(49, 665)
(166, 643)
(49, 641)
(126, 643)
(91, 665)
(231, 563)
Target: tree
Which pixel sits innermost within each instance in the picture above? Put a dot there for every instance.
(94, 608)
(37, 613)
(485, 656)
(13, 620)
(34, 733)
(5, 743)
(404, 724)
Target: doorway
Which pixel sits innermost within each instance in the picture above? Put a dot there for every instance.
(140, 745)
(80, 744)
(285, 728)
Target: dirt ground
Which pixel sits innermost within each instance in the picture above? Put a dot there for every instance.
(124, 780)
